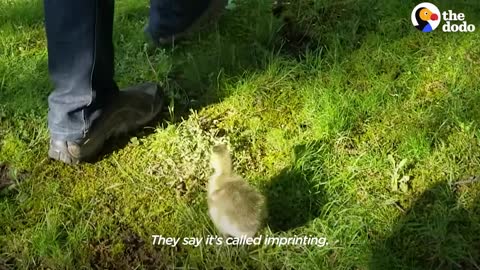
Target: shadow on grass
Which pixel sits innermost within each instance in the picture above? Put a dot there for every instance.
(295, 196)
(315, 24)
(437, 232)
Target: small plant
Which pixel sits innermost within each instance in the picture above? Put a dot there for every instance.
(397, 181)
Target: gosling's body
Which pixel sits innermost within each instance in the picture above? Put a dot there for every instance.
(235, 208)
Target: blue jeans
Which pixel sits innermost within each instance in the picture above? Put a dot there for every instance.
(81, 56)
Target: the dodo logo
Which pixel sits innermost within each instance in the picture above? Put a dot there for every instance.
(426, 17)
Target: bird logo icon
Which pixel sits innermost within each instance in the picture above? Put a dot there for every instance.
(426, 17)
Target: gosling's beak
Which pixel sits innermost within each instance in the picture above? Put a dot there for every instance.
(434, 17)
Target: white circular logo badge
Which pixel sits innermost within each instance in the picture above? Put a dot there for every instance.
(426, 17)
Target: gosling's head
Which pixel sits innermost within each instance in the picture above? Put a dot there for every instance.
(220, 158)
(220, 149)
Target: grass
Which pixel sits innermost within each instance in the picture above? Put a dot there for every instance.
(354, 125)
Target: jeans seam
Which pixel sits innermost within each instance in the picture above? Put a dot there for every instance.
(94, 56)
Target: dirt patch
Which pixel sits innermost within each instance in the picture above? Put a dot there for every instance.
(309, 25)
(9, 177)
(129, 253)
(296, 39)
(6, 263)
(5, 177)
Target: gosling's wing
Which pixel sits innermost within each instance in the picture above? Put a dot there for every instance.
(243, 204)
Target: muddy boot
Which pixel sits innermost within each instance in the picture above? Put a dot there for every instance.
(131, 109)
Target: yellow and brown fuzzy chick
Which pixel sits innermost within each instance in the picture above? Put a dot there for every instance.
(234, 206)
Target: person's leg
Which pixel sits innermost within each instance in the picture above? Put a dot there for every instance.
(86, 108)
(171, 19)
(80, 58)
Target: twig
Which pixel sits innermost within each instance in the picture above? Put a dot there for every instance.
(469, 180)
(399, 207)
